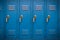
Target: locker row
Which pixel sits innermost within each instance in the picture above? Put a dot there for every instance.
(29, 20)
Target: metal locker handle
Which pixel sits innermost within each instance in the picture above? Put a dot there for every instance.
(7, 18)
(34, 18)
(20, 18)
(47, 19)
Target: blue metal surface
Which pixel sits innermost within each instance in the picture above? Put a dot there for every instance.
(11, 24)
(25, 24)
(1, 20)
(59, 20)
(38, 28)
(12, 29)
(52, 22)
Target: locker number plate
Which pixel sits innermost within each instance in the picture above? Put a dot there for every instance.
(11, 7)
(25, 7)
(38, 7)
(52, 7)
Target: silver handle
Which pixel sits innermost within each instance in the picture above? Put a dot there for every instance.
(20, 18)
(47, 19)
(34, 18)
(7, 18)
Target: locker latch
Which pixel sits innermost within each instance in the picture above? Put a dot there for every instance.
(20, 18)
(47, 19)
(7, 18)
(34, 18)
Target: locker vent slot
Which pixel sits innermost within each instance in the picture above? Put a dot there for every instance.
(24, 31)
(25, 1)
(11, 0)
(52, 7)
(39, 0)
(11, 7)
(38, 31)
(52, 31)
(11, 32)
(52, 0)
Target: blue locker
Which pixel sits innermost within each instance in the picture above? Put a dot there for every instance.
(38, 19)
(11, 19)
(1, 20)
(59, 19)
(25, 20)
(51, 20)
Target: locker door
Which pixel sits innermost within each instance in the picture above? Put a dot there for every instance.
(59, 18)
(25, 20)
(1, 20)
(11, 19)
(51, 20)
(38, 19)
